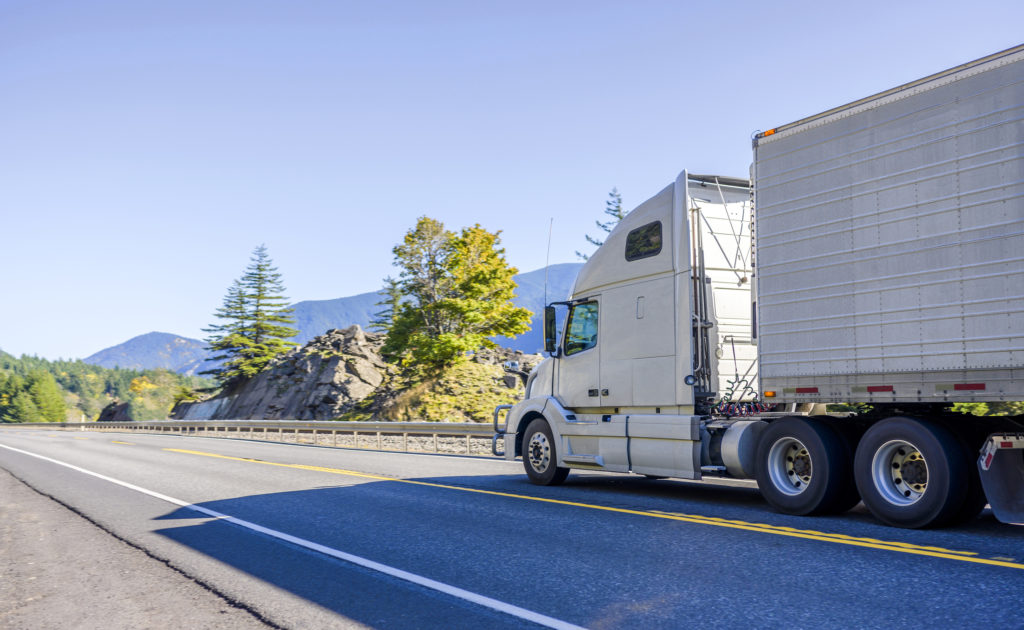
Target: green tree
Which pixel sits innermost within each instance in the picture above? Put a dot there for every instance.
(47, 397)
(613, 208)
(384, 318)
(456, 291)
(257, 322)
(1008, 408)
(21, 409)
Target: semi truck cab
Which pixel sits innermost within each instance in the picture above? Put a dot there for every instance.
(657, 330)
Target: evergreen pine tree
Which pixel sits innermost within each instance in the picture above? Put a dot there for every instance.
(21, 409)
(226, 340)
(47, 397)
(385, 318)
(257, 322)
(613, 208)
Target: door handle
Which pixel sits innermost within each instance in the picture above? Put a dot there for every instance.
(591, 392)
(604, 392)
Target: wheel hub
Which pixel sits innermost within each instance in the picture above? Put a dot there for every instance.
(789, 466)
(539, 452)
(900, 472)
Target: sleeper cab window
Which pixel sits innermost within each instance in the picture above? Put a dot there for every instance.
(644, 241)
(582, 331)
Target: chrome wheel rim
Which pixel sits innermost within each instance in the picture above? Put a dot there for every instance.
(538, 451)
(900, 472)
(789, 466)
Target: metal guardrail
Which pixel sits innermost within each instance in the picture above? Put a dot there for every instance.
(436, 437)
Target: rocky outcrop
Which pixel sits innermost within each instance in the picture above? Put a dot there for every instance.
(115, 412)
(340, 375)
(322, 380)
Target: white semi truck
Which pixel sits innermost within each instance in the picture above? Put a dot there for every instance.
(875, 258)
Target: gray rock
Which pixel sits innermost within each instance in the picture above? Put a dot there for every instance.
(321, 380)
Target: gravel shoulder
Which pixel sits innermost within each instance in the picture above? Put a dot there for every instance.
(59, 570)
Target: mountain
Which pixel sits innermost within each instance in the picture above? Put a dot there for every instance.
(154, 350)
(315, 317)
(530, 294)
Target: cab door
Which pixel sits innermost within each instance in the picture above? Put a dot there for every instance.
(592, 438)
(579, 366)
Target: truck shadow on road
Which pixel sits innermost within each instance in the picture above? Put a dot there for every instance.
(446, 527)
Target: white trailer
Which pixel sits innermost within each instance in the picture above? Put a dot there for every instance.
(878, 258)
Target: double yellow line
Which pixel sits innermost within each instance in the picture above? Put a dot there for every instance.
(763, 528)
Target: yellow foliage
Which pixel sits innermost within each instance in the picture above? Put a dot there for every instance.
(140, 385)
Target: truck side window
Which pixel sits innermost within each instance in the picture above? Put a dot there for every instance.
(644, 241)
(581, 333)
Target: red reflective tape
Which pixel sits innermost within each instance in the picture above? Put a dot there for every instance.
(968, 386)
(879, 388)
(1006, 445)
(807, 390)
(988, 460)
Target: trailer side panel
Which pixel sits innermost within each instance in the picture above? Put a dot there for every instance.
(890, 244)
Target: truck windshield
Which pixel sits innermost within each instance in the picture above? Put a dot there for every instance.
(582, 330)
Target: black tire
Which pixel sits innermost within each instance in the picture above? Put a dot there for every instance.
(911, 473)
(850, 433)
(804, 467)
(540, 457)
(975, 500)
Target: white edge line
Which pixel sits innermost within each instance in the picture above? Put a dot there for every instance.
(419, 580)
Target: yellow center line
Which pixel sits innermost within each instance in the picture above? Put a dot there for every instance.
(764, 528)
(125, 443)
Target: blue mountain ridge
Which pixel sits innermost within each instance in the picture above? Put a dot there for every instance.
(315, 317)
(155, 350)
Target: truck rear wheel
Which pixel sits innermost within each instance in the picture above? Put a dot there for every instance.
(803, 467)
(911, 473)
(540, 457)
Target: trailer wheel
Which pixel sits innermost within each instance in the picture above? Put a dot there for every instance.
(911, 473)
(803, 467)
(540, 457)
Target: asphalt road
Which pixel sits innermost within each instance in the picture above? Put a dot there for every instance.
(304, 537)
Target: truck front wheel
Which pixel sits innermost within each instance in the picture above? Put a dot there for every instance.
(540, 457)
(804, 467)
(911, 473)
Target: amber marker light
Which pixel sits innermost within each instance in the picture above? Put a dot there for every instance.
(769, 394)
(770, 132)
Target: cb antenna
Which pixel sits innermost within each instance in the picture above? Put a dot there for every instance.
(547, 260)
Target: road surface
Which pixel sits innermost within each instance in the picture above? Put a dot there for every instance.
(300, 537)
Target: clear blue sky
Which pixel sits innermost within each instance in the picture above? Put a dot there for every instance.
(147, 147)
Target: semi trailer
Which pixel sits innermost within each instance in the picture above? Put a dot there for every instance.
(873, 261)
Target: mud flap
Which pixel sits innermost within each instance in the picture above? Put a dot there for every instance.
(1001, 467)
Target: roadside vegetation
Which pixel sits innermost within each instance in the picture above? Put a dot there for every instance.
(256, 323)
(37, 390)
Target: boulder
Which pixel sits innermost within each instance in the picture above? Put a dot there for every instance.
(321, 380)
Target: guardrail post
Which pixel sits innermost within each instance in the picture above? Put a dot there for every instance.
(467, 445)
(436, 450)
(380, 443)
(405, 442)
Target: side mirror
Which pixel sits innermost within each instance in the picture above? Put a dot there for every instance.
(550, 334)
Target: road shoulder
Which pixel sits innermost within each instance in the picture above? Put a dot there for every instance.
(60, 571)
